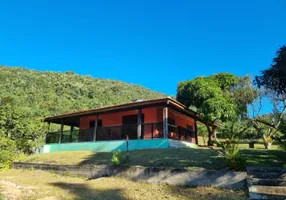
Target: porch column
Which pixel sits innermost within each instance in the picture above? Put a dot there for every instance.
(71, 133)
(49, 125)
(165, 122)
(95, 128)
(139, 124)
(61, 131)
(196, 132)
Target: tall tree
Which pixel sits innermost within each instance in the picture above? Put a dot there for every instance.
(274, 78)
(273, 82)
(219, 98)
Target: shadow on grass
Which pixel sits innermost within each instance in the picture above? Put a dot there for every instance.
(98, 158)
(264, 158)
(174, 158)
(208, 193)
(84, 192)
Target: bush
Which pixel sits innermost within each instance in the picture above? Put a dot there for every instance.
(231, 154)
(8, 152)
(119, 158)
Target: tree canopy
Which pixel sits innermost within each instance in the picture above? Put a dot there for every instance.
(219, 98)
(274, 78)
(272, 82)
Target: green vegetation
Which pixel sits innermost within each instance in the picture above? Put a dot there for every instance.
(119, 158)
(27, 96)
(175, 158)
(219, 98)
(8, 152)
(232, 132)
(36, 184)
(272, 83)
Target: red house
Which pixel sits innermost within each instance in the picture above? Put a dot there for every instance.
(139, 120)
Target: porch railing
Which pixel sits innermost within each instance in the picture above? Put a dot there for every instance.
(149, 131)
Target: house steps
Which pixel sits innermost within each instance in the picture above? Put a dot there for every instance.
(266, 183)
(181, 144)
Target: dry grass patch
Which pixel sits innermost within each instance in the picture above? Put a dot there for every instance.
(42, 185)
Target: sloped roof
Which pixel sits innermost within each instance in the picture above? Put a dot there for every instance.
(127, 106)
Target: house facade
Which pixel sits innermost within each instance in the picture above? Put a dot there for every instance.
(149, 122)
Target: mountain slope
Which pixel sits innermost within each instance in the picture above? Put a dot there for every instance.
(52, 93)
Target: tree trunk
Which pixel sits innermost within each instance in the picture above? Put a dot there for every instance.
(210, 139)
(267, 144)
(212, 133)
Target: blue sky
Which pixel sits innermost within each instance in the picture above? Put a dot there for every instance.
(152, 43)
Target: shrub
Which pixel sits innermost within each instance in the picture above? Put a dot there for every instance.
(232, 132)
(119, 158)
(231, 154)
(8, 152)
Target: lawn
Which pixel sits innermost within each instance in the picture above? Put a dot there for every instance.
(175, 158)
(243, 144)
(36, 184)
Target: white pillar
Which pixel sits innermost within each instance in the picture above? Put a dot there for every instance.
(139, 124)
(165, 122)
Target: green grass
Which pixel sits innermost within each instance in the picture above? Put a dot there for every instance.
(175, 158)
(243, 145)
(35, 184)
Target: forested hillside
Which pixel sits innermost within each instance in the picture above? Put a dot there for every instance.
(27, 96)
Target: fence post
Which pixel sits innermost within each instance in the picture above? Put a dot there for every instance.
(152, 130)
(127, 151)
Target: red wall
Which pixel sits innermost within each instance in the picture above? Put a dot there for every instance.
(180, 119)
(183, 121)
(151, 115)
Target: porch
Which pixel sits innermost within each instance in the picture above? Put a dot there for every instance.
(149, 131)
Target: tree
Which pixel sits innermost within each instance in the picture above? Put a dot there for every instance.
(272, 82)
(216, 98)
(274, 78)
(268, 125)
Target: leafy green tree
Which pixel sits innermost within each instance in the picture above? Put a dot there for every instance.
(274, 78)
(272, 82)
(215, 97)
